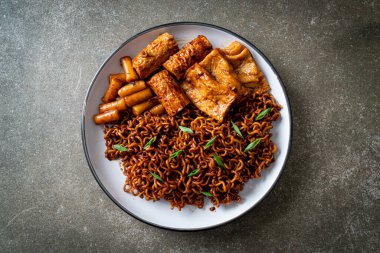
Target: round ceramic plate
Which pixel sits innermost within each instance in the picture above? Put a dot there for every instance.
(160, 214)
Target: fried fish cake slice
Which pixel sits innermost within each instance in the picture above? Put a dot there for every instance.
(219, 67)
(154, 55)
(210, 96)
(170, 94)
(192, 52)
(248, 73)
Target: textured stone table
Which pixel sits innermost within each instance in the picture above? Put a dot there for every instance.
(327, 54)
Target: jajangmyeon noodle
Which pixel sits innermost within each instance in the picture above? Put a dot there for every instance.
(221, 185)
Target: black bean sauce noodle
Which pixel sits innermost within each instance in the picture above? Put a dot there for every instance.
(133, 132)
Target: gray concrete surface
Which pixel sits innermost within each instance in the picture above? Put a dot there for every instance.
(327, 54)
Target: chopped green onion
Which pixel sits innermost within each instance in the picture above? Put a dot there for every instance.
(252, 145)
(175, 154)
(193, 173)
(237, 130)
(120, 148)
(262, 114)
(219, 161)
(186, 130)
(207, 194)
(147, 145)
(156, 176)
(209, 143)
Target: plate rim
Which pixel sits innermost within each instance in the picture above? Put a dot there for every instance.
(83, 132)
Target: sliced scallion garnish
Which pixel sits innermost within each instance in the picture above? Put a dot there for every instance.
(120, 148)
(252, 145)
(207, 194)
(193, 173)
(186, 130)
(175, 154)
(156, 176)
(147, 145)
(219, 161)
(262, 114)
(237, 130)
(209, 143)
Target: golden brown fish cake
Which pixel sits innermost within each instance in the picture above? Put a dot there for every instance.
(154, 55)
(170, 94)
(191, 53)
(210, 96)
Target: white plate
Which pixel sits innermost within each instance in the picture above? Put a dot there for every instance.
(159, 213)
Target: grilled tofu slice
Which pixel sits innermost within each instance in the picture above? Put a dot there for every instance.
(192, 52)
(210, 96)
(248, 73)
(170, 94)
(154, 55)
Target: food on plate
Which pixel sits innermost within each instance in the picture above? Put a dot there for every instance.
(119, 76)
(154, 55)
(245, 66)
(115, 105)
(195, 126)
(261, 86)
(138, 97)
(111, 93)
(181, 167)
(210, 96)
(132, 88)
(145, 106)
(191, 53)
(130, 73)
(107, 117)
(157, 110)
(220, 69)
(170, 94)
